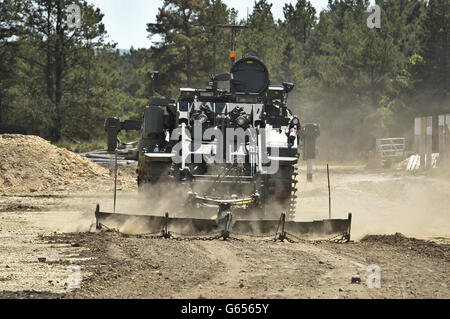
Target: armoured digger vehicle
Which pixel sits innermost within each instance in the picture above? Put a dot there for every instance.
(228, 150)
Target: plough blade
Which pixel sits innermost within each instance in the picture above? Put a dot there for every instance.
(193, 226)
(268, 227)
(154, 224)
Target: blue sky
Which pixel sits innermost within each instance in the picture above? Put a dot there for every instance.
(126, 20)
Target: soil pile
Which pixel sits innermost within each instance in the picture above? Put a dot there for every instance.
(30, 164)
(423, 247)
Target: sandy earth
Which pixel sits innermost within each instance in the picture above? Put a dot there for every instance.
(31, 165)
(131, 266)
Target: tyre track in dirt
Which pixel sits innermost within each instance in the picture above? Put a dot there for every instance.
(257, 269)
(226, 277)
(339, 273)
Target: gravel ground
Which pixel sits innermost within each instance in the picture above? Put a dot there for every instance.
(41, 236)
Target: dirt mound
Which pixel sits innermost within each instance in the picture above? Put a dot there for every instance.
(428, 248)
(397, 238)
(30, 164)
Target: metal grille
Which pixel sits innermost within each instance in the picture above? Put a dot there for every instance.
(391, 148)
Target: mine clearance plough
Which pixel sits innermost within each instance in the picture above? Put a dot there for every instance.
(224, 225)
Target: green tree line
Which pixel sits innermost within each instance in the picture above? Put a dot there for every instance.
(61, 82)
(358, 83)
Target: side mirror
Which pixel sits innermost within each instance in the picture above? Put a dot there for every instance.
(288, 87)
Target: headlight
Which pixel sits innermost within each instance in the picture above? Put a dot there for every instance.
(295, 121)
(202, 118)
(242, 121)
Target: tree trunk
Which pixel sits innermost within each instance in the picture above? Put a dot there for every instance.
(48, 67)
(86, 134)
(445, 66)
(188, 49)
(59, 67)
(1, 106)
(189, 66)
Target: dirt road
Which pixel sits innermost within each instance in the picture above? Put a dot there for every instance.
(35, 259)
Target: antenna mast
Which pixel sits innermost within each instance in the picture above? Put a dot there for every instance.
(234, 32)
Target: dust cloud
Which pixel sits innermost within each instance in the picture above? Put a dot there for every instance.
(380, 202)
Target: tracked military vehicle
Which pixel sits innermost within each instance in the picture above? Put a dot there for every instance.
(237, 146)
(232, 152)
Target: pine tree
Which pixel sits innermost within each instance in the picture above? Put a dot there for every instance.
(436, 53)
(56, 52)
(10, 26)
(261, 38)
(175, 55)
(299, 20)
(216, 40)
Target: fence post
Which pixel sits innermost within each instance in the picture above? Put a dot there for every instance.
(429, 142)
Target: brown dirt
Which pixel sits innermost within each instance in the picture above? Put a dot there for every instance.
(115, 265)
(138, 267)
(30, 164)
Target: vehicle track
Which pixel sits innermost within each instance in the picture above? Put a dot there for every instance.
(225, 278)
